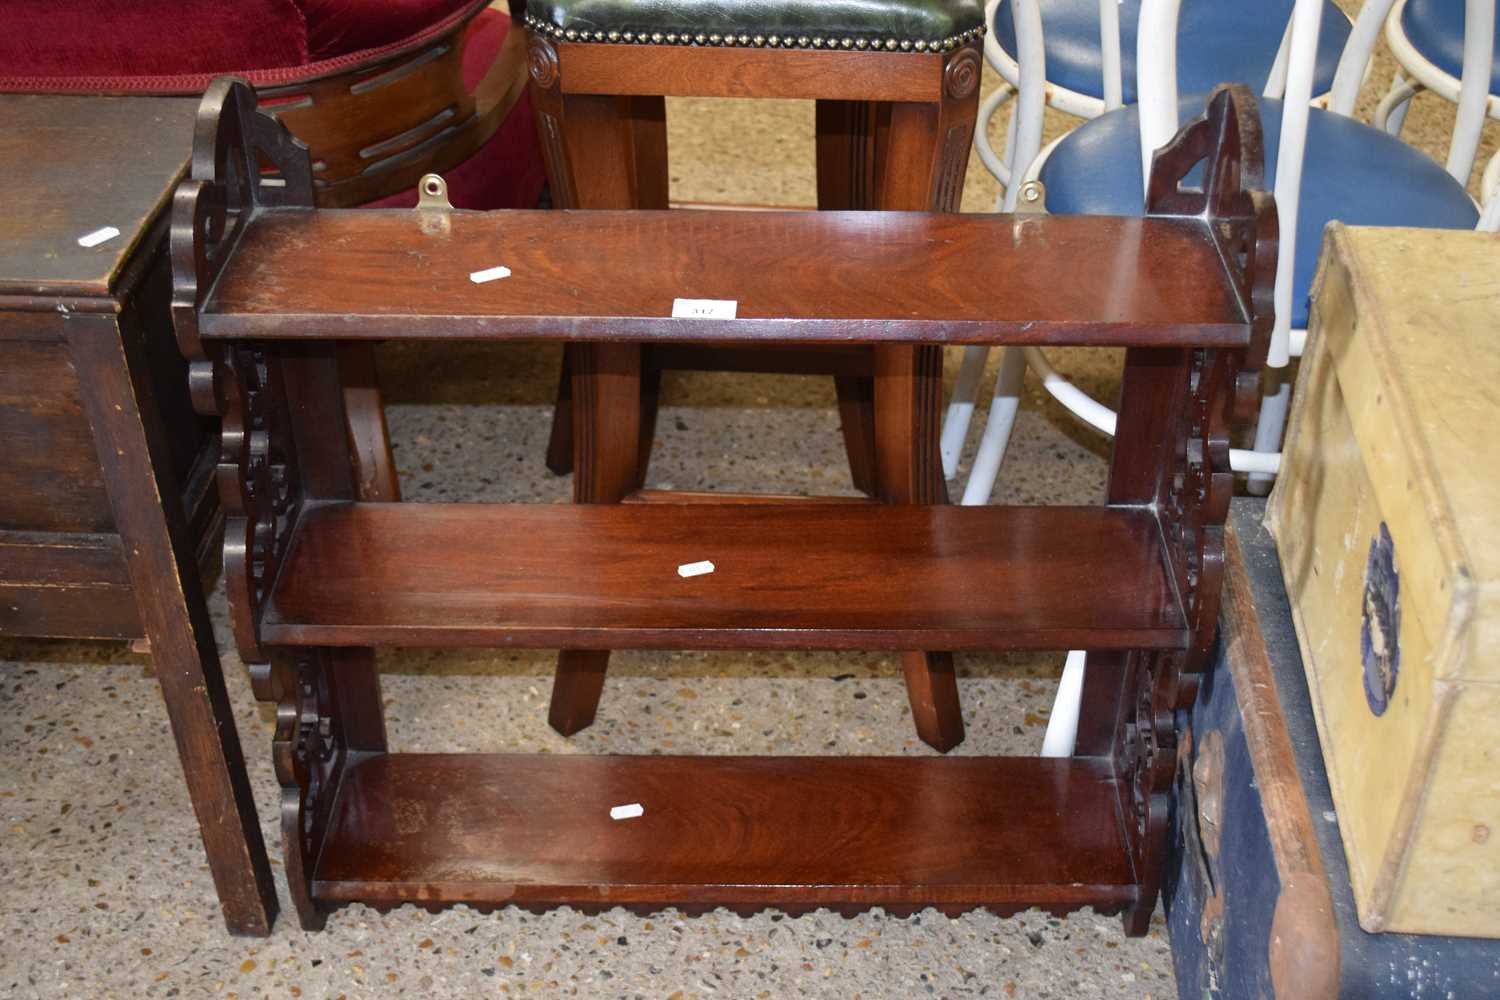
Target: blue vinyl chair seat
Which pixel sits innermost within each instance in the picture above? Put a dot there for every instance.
(1218, 41)
(1352, 173)
(1435, 28)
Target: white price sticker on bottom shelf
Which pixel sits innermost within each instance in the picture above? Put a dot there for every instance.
(704, 308)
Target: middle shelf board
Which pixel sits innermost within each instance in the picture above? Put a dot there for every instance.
(786, 576)
(815, 277)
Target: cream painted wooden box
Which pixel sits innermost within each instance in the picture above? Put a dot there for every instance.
(1387, 518)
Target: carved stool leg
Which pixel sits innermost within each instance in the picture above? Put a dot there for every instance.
(856, 394)
(921, 159)
(648, 139)
(606, 446)
(908, 390)
(586, 139)
(847, 143)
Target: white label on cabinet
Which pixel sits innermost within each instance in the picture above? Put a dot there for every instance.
(98, 236)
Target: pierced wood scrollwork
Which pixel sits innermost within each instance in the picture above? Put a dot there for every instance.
(1218, 390)
(243, 162)
(309, 752)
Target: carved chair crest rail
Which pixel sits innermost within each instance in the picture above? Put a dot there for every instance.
(265, 288)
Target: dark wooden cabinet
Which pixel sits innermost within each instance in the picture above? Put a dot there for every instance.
(68, 167)
(108, 508)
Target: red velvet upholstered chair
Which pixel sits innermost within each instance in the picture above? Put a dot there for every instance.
(382, 91)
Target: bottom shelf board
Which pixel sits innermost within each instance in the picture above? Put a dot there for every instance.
(784, 832)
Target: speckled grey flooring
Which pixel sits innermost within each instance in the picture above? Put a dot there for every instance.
(103, 888)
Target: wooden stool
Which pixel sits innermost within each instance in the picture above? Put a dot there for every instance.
(897, 97)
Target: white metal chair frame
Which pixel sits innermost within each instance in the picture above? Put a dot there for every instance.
(1068, 101)
(1416, 73)
(1157, 85)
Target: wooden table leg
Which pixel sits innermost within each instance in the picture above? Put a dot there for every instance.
(147, 506)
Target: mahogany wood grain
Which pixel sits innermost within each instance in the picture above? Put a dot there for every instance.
(697, 496)
(788, 576)
(701, 71)
(956, 833)
(819, 277)
(809, 359)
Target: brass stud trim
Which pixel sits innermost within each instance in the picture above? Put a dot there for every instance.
(815, 42)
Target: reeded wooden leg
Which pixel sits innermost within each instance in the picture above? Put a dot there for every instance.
(922, 155)
(606, 448)
(847, 149)
(369, 439)
(621, 163)
(601, 152)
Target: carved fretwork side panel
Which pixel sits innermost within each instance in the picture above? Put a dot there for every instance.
(1209, 392)
(259, 486)
(244, 161)
(309, 752)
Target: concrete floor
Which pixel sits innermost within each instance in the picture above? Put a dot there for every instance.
(105, 890)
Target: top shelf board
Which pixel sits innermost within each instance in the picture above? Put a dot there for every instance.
(812, 277)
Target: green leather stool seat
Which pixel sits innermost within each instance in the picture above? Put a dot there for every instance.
(852, 25)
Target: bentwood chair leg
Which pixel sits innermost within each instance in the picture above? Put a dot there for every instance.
(369, 440)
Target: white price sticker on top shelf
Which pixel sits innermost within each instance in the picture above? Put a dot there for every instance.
(704, 308)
